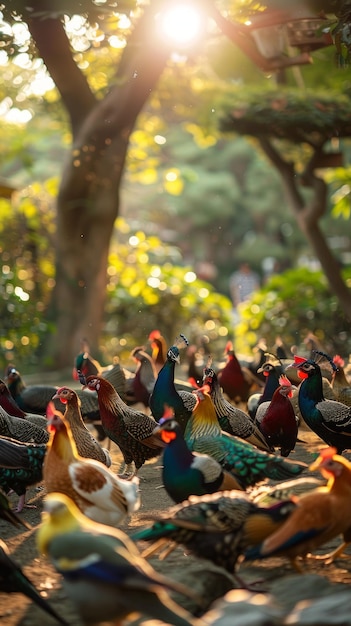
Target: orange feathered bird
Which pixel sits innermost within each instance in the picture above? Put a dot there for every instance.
(95, 489)
(319, 517)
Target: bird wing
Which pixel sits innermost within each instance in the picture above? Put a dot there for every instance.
(101, 488)
(337, 415)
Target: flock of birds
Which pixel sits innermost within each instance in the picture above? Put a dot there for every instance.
(224, 437)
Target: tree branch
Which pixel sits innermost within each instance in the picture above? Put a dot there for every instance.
(54, 48)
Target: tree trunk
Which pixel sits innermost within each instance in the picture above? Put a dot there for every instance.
(88, 200)
(308, 216)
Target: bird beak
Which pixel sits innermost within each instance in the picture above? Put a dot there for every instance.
(156, 430)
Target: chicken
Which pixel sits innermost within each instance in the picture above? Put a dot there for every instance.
(159, 349)
(13, 580)
(21, 429)
(11, 407)
(144, 378)
(165, 392)
(94, 488)
(247, 463)
(271, 370)
(329, 419)
(339, 382)
(234, 380)
(217, 527)
(186, 473)
(131, 430)
(20, 467)
(87, 446)
(320, 515)
(232, 419)
(103, 571)
(278, 423)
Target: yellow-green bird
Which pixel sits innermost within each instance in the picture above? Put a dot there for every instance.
(104, 574)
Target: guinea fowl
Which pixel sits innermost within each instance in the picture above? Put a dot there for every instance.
(13, 580)
(329, 419)
(131, 430)
(95, 489)
(20, 467)
(165, 392)
(217, 527)
(278, 422)
(232, 419)
(247, 463)
(21, 429)
(186, 473)
(87, 446)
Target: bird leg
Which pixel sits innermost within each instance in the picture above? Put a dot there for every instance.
(22, 504)
(331, 556)
(151, 550)
(126, 470)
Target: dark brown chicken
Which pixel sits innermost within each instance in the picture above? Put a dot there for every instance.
(131, 430)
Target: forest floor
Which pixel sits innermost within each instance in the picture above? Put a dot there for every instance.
(16, 610)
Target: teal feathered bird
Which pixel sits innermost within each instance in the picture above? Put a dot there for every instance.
(329, 419)
(247, 463)
(165, 392)
(103, 571)
(217, 527)
(13, 580)
(186, 473)
(20, 466)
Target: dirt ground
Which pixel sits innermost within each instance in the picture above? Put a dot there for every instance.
(17, 610)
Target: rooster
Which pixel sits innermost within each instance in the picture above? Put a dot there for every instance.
(94, 488)
(104, 574)
(247, 463)
(159, 349)
(21, 465)
(320, 515)
(187, 473)
(131, 430)
(232, 419)
(278, 423)
(235, 380)
(87, 446)
(329, 419)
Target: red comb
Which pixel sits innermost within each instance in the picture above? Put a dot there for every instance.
(299, 359)
(283, 380)
(168, 412)
(154, 334)
(327, 453)
(338, 360)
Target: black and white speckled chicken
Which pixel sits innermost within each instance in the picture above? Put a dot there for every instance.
(131, 430)
(21, 429)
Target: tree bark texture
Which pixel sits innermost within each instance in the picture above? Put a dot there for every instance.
(88, 200)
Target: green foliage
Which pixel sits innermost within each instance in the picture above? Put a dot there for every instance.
(290, 305)
(149, 288)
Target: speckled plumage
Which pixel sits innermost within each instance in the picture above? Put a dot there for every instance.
(20, 466)
(329, 419)
(131, 430)
(21, 429)
(232, 419)
(87, 446)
